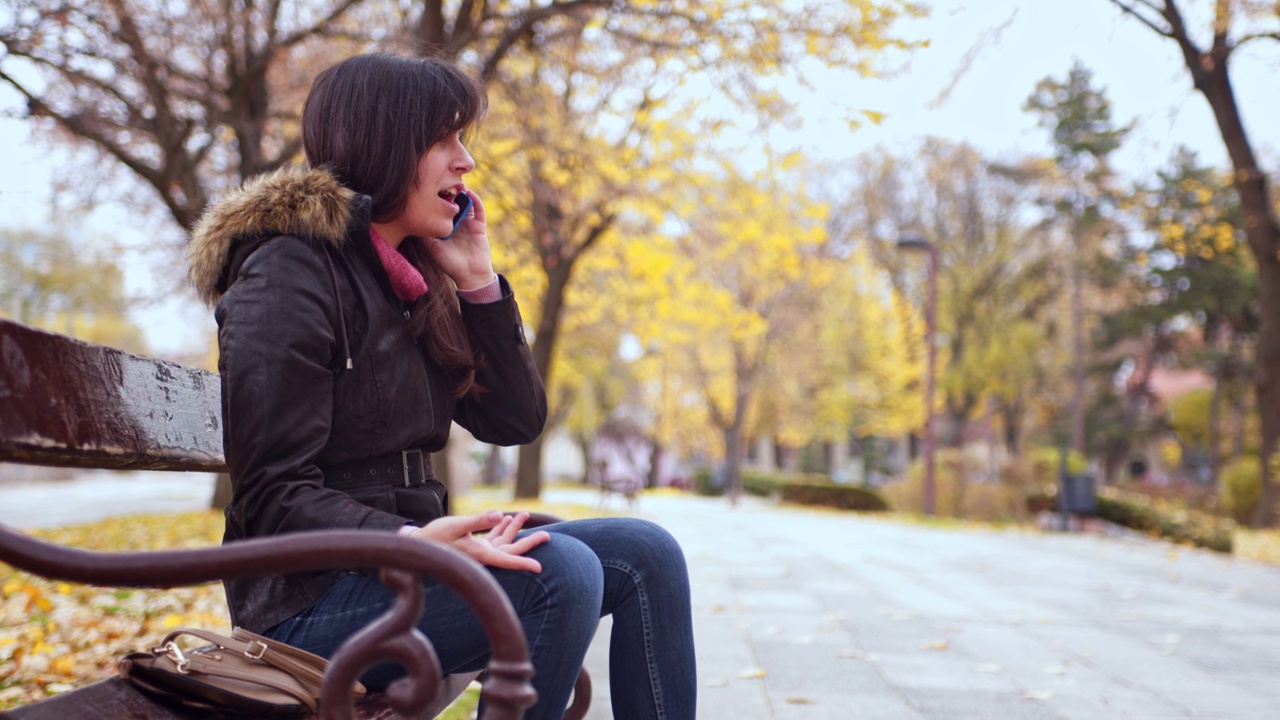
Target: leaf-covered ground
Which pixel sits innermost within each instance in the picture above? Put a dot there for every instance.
(56, 635)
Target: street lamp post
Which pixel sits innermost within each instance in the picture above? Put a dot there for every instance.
(915, 242)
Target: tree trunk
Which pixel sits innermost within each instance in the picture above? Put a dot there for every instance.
(732, 465)
(1209, 73)
(733, 434)
(655, 465)
(1012, 415)
(1077, 341)
(491, 473)
(1268, 380)
(1215, 419)
(529, 469)
(1240, 406)
(587, 447)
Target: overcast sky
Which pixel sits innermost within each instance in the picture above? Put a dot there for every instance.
(1012, 45)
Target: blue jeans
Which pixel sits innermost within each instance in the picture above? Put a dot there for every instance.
(630, 569)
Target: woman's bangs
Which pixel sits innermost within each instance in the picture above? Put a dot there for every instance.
(464, 101)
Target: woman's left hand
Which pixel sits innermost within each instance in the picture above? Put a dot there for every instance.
(464, 256)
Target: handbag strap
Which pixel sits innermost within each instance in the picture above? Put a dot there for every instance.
(307, 667)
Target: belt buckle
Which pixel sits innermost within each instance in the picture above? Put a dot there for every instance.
(409, 460)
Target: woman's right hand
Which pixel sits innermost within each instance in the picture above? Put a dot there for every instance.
(498, 547)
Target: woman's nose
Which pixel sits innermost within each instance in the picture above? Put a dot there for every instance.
(464, 162)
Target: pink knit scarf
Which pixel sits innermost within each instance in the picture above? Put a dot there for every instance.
(406, 281)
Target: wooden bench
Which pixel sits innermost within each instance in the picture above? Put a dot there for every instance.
(71, 404)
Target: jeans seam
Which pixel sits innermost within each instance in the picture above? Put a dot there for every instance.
(303, 623)
(542, 616)
(646, 626)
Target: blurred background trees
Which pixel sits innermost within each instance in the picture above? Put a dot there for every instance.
(739, 309)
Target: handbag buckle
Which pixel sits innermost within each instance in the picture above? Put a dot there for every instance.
(255, 650)
(174, 653)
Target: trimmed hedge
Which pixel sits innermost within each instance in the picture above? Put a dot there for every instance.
(1159, 520)
(704, 483)
(841, 497)
(799, 488)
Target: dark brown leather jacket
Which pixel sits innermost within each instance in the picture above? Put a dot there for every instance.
(299, 292)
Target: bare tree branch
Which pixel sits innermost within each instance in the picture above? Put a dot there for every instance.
(1257, 36)
(1132, 10)
(319, 27)
(526, 24)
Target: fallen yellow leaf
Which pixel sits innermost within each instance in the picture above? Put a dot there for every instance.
(752, 673)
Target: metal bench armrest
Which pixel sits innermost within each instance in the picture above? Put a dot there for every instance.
(507, 691)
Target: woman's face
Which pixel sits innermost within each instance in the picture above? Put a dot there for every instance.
(429, 210)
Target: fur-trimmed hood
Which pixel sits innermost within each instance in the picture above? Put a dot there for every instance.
(305, 202)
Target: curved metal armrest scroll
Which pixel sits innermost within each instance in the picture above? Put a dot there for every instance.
(507, 691)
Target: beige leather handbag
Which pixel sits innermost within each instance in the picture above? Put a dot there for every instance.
(245, 673)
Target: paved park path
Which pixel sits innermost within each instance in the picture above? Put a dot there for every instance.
(803, 614)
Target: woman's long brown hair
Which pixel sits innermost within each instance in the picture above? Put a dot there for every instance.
(369, 119)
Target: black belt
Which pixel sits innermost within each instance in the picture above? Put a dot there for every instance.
(407, 468)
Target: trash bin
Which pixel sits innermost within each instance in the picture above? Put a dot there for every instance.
(1079, 495)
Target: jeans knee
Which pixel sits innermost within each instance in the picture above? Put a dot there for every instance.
(652, 547)
(571, 573)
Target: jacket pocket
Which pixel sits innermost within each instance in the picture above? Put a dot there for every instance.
(379, 498)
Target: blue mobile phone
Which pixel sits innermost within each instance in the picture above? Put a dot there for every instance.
(464, 207)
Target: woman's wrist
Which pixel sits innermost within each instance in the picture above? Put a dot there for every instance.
(476, 282)
(482, 295)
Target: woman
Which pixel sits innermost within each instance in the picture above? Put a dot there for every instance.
(350, 337)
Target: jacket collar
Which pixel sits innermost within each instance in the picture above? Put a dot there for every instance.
(304, 202)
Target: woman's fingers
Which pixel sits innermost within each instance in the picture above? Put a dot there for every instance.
(527, 543)
(505, 532)
(512, 562)
(509, 556)
(500, 529)
(477, 205)
(452, 527)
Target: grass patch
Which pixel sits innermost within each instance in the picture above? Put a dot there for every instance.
(1260, 545)
(464, 708)
(940, 522)
(481, 499)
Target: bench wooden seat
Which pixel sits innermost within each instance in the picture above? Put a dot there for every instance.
(72, 404)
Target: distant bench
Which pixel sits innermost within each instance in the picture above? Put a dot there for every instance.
(68, 403)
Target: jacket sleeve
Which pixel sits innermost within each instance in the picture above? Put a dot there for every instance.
(276, 341)
(512, 409)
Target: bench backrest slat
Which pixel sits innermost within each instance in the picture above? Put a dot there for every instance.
(68, 403)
